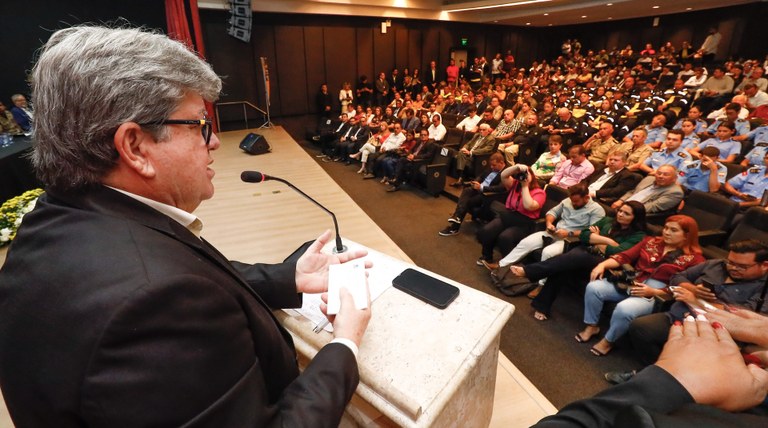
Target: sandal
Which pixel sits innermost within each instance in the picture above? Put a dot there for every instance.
(538, 316)
(580, 339)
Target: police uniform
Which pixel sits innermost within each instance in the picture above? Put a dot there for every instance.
(742, 127)
(690, 142)
(756, 156)
(700, 125)
(694, 178)
(655, 134)
(727, 147)
(752, 182)
(678, 158)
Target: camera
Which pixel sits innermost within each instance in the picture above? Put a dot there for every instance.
(622, 278)
(522, 173)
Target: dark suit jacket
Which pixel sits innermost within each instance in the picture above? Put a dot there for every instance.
(114, 315)
(429, 81)
(619, 184)
(653, 398)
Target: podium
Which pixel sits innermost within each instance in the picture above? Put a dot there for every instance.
(420, 366)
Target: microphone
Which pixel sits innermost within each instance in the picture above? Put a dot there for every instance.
(257, 177)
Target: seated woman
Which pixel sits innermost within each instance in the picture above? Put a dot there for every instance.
(523, 207)
(605, 238)
(723, 140)
(655, 259)
(371, 145)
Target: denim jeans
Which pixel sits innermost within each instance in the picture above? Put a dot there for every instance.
(628, 308)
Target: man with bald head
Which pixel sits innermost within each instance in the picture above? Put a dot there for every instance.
(659, 193)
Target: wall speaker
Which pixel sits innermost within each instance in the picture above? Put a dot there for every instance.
(255, 144)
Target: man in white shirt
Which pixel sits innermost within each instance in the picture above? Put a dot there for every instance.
(437, 130)
(469, 123)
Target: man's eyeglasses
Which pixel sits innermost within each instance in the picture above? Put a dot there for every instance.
(206, 126)
(738, 266)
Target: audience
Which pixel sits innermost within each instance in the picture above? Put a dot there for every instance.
(653, 261)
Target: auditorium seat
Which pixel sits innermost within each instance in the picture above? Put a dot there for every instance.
(432, 176)
(713, 213)
(454, 138)
(753, 225)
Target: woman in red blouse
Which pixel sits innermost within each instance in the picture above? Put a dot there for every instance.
(655, 259)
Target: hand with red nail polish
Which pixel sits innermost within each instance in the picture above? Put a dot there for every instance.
(717, 376)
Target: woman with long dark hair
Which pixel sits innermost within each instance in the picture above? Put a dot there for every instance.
(655, 260)
(603, 239)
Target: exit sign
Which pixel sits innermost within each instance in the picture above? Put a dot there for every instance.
(464, 41)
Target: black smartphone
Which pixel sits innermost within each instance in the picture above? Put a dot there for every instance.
(426, 288)
(708, 285)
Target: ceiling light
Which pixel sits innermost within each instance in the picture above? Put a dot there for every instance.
(688, 8)
(609, 4)
(546, 14)
(609, 18)
(527, 23)
(495, 21)
(494, 6)
(655, 7)
(583, 16)
(549, 25)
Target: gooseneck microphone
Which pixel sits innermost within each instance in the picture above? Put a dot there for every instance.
(257, 177)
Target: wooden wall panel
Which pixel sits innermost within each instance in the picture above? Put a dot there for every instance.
(448, 40)
(415, 50)
(430, 48)
(314, 58)
(364, 38)
(383, 52)
(401, 48)
(291, 66)
(340, 49)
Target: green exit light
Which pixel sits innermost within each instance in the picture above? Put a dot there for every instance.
(464, 41)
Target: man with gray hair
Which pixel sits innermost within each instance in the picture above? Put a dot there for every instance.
(481, 144)
(114, 311)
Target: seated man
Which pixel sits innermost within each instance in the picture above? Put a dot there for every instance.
(350, 141)
(328, 135)
(737, 280)
(704, 175)
(421, 154)
(659, 193)
(748, 187)
(715, 91)
(482, 143)
(758, 137)
(477, 194)
(22, 113)
(470, 122)
(567, 218)
(655, 132)
(608, 184)
(672, 154)
(600, 144)
(637, 150)
(564, 124)
(741, 126)
(547, 164)
(504, 133)
(574, 169)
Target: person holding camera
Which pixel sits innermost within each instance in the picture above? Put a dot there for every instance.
(645, 271)
(522, 208)
(565, 219)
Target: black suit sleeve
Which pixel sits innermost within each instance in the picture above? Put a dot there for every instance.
(275, 284)
(653, 389)
(189, 351)
(621, 185)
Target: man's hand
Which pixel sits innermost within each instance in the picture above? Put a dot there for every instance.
(312, 266)
(561, 233)
(708, 163)
(475, 185)
(684, 295)
(717, 375)
(350, 323)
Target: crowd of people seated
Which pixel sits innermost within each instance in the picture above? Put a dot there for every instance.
(624, 136)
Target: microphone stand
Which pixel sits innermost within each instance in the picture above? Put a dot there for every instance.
(339, 248)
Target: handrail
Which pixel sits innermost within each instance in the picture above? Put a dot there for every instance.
(245, 111)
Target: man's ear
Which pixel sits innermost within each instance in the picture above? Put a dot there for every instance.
(134, 144)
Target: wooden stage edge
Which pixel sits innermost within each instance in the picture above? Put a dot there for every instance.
(266, 222)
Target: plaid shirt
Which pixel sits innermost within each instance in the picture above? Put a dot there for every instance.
(505, 127)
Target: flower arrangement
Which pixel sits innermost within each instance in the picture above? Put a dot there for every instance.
(12, 212)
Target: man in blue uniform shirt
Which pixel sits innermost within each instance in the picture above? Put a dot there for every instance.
(671, 155)
(747, 188)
